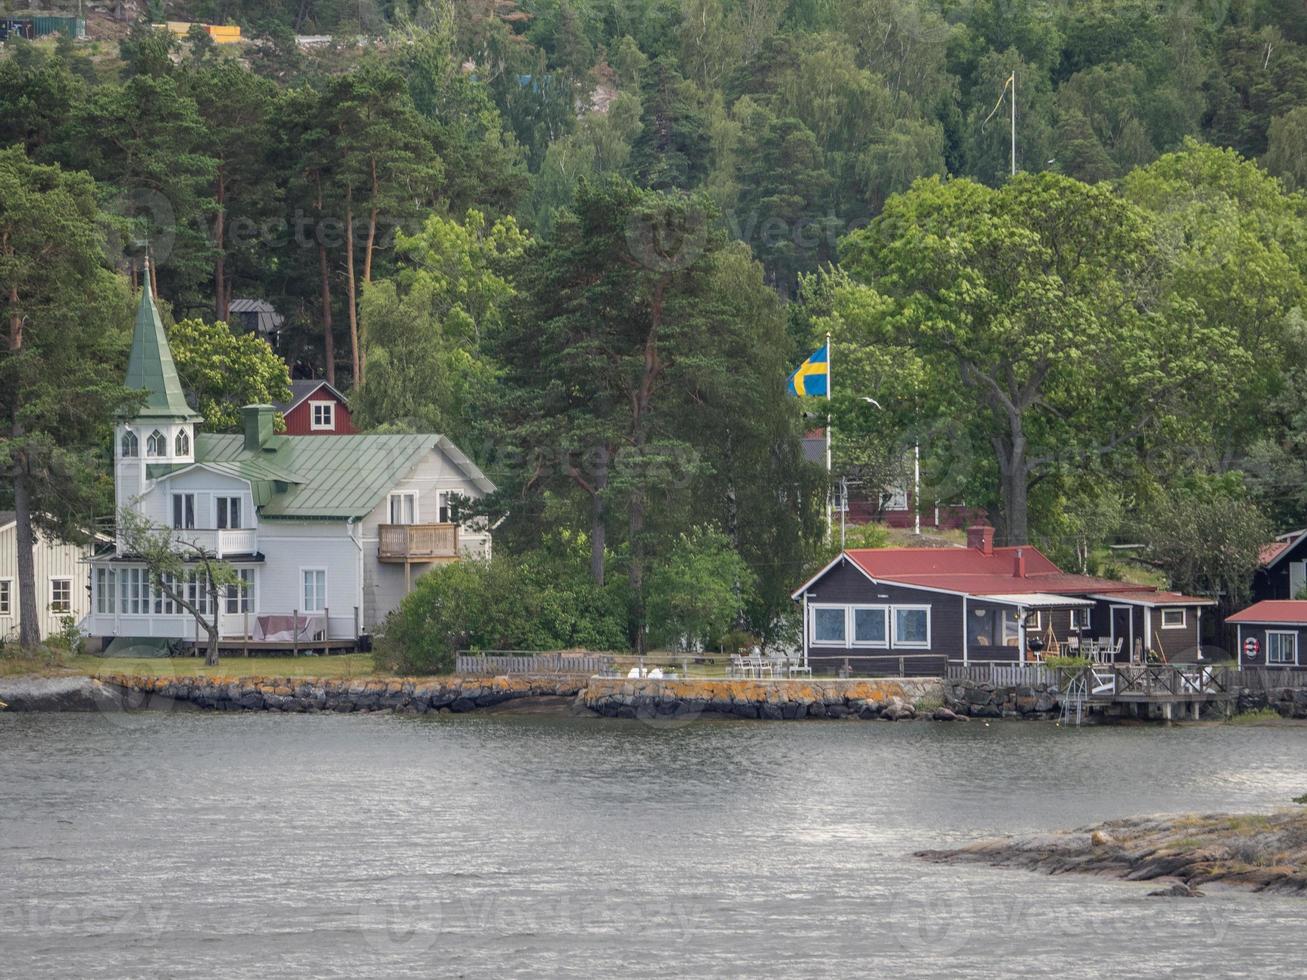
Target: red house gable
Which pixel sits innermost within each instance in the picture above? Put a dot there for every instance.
(316, 409)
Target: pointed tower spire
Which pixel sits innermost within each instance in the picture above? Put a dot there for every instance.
(150, 366)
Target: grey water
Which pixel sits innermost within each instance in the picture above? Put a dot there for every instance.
(232, 845)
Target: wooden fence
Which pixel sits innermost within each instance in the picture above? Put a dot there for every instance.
(1004, 674)
(540, 664)
(1269, 678)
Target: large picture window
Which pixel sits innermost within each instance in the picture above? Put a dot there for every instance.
(912, 626)
(871, 626)
(829, 626)
(1281, 647)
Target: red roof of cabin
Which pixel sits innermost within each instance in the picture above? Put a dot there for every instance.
(1272, 551)
(1286, 611)
(972, 571)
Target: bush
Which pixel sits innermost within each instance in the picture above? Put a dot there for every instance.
(696, 591)
(533, 602)
(1067, 663)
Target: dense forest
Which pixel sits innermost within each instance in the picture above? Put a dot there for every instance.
(588, 240)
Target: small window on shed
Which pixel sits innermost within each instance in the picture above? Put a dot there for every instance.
(1173, 619)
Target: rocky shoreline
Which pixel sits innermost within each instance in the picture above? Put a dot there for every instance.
(1259, 852)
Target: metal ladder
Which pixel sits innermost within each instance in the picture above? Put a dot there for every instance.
(1073, 700)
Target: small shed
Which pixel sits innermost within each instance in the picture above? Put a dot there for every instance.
(1271, 633)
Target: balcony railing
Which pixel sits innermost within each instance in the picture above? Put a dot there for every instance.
(223, 542)
(418, 542)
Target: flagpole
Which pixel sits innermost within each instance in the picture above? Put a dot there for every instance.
(830, 476)
(1014, 122)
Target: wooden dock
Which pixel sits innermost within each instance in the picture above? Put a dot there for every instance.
(1141, 689)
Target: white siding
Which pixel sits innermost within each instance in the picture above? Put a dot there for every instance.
(383, 583)
(53, 560)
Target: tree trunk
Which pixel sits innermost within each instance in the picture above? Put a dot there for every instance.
(372, 226)
(1014, 483)
(639, 440)
(29, 624)
(220, 297)
(328, 338)
(211, 652)
(351, 295)
(598, 514)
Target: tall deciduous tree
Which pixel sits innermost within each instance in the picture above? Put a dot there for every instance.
(65, 318)
(1046, 301)
(221, 370)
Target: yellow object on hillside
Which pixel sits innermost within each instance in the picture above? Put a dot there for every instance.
(221, 33)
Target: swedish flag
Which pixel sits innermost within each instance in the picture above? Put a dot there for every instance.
(812, 379)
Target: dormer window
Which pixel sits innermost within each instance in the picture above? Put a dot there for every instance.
(324, 415)
(131, 446)
(156, 445)
(183, 443)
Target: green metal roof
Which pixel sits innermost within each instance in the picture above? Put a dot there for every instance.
(150, 366)
(322, 476)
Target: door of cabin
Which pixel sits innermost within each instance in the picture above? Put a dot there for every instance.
(1123, 628)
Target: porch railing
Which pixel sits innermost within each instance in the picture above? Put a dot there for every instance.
(417, 542)
(480, 664)
(1004, 674)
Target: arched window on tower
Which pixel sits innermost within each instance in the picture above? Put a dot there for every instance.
(183, 443)
(156, 445)
(131, 446)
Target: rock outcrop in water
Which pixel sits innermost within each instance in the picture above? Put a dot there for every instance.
(1261, 852)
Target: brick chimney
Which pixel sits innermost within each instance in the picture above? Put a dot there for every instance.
(981, 537)
(1019, 564)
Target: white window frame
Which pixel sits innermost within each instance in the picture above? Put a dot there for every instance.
(1293, 636)
(326, 426)
(240, 600)
(894, 499)
(304, 570)
(53, 608)
(851, 628)
(130, 445)
(1184, 619)
(1080, 619)
(223, 502)
(133, 591)
(812, 625)
(179, 523)
(444, 513)
(898, 644)
(182, 442)
(6, 597)
(400, 495)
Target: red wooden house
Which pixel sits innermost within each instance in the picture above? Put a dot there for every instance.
(316, 409)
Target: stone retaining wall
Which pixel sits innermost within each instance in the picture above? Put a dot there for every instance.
(771, 700)
(977, 699)
(1289, 702)
(292, 694)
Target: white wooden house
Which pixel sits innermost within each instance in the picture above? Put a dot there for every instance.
(61, 580)
(331, 531)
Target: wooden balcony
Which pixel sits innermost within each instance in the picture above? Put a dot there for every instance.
(409, 543)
